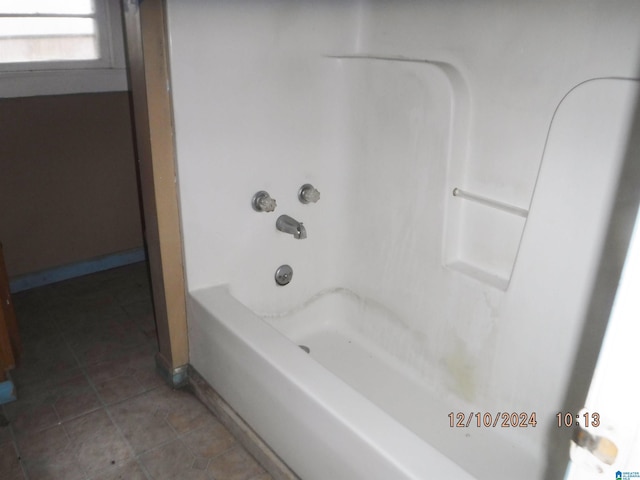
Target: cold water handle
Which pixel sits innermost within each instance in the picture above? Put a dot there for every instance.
(308, 194)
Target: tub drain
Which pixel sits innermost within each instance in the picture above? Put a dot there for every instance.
(305, 348)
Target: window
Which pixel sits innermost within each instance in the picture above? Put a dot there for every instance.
(41, 31)
(60, 46)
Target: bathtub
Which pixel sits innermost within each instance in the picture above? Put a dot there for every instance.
(468, 156)
(347, 409)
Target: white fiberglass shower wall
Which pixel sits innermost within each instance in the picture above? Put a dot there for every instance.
(388, 108)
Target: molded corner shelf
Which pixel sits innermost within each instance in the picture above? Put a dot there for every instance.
(483, 237)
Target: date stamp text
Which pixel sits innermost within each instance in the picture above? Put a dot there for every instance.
(488, 419)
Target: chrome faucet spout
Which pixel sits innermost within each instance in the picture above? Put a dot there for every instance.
(291, 226)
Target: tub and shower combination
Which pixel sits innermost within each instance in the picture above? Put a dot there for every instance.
(418, 314)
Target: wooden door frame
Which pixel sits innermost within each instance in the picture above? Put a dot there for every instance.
(147, 56)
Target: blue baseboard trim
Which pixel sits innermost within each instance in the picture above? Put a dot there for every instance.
(7, 392)
(65, 272)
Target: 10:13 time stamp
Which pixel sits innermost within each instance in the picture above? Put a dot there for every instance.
(586, 419)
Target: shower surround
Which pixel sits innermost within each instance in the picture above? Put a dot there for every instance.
(467, 154)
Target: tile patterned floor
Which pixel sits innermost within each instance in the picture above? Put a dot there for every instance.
(90, 404)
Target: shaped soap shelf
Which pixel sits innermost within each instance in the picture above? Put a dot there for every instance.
(483, 237)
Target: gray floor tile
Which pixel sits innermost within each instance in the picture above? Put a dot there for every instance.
(90, 403)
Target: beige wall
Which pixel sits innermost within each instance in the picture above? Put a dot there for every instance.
(68, 189)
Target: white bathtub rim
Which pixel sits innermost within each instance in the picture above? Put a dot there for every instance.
(403, 449)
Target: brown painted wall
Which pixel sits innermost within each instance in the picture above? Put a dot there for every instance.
(68, 189)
